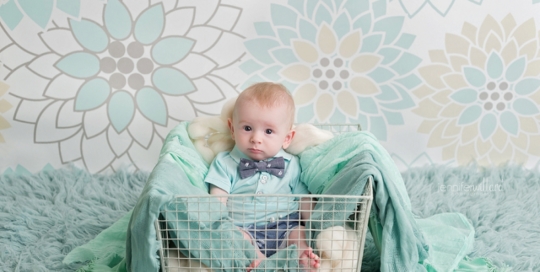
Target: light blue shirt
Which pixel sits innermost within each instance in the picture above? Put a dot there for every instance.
(224, 174)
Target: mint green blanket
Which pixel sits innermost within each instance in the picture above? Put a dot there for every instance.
(181, 170)
(349, 160)
(341, 166)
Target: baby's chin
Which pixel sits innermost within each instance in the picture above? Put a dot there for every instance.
(260, 156)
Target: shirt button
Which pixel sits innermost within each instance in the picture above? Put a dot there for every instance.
(259, 192)
(264, 178)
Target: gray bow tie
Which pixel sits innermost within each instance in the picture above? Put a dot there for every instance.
(274, 167)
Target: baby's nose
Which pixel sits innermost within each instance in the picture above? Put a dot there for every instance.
(256, 138)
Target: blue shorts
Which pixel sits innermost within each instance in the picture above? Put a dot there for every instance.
(270, 237)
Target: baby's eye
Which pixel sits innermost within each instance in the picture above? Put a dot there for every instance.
(268, 131)
(247, 128)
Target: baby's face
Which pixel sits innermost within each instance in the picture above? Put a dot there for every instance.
(260, 133)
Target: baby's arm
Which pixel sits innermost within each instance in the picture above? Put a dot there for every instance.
(306, 205)
(221, 194)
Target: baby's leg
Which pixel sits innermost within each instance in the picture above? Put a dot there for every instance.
(307, 258)
(260, 255)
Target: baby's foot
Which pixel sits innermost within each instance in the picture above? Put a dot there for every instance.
(308, 259)
(255, 263)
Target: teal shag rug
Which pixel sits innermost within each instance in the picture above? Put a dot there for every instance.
(46, 215)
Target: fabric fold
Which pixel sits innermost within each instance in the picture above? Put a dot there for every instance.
(341, 166)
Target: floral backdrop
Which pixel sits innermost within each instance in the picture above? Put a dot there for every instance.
(99, 84)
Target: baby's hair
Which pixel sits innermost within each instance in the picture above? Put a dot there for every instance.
(267, 95)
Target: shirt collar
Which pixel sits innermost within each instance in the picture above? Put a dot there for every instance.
(236, 154)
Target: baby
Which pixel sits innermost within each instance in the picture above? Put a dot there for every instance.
(261, 126)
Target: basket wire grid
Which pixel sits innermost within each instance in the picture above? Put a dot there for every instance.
(205, 239)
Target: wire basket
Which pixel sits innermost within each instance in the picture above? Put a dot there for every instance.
(213, 236)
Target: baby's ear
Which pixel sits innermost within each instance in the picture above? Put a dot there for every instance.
(231, 127)
(288, 138)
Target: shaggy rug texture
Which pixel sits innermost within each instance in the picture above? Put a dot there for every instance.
(502, 203)
(46, 215)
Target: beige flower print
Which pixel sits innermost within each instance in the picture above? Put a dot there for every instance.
(481, 94)
(326, 67)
